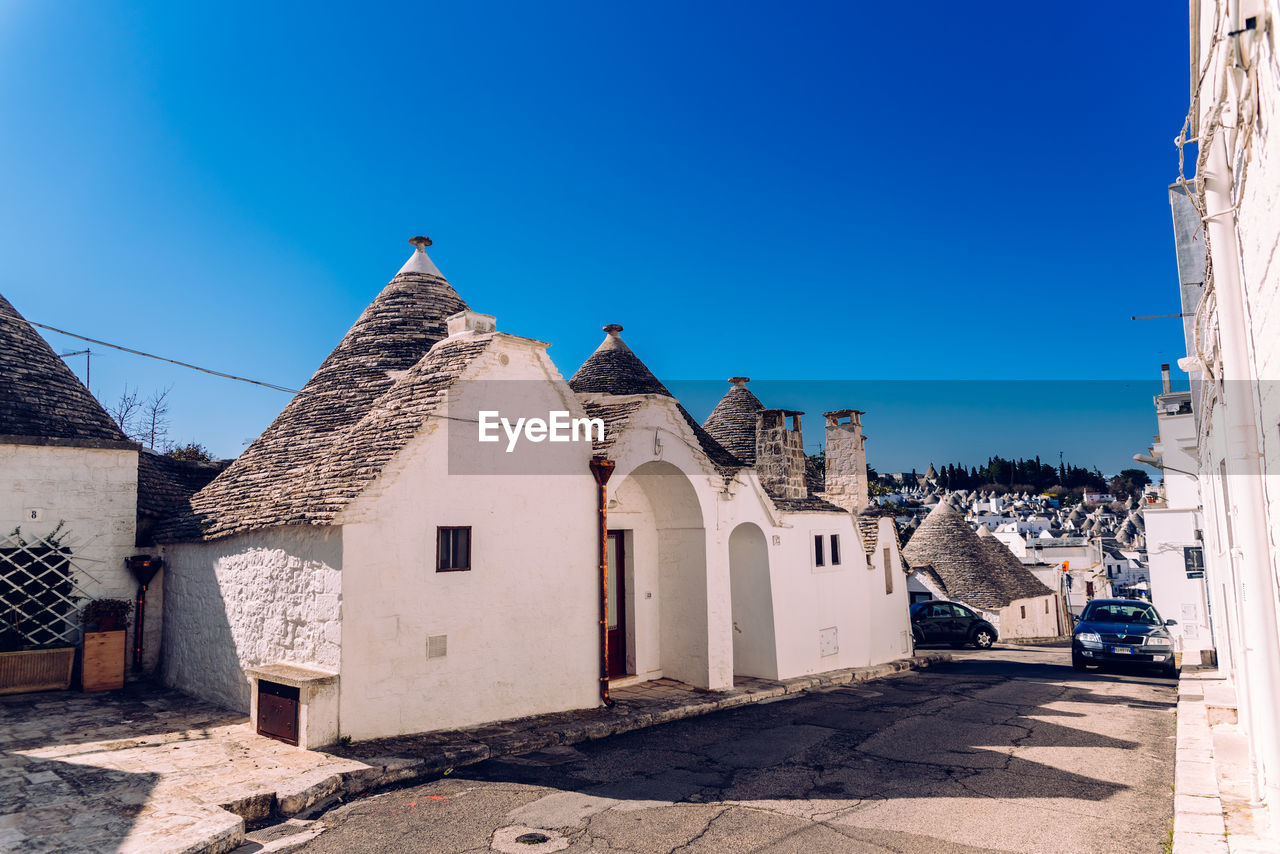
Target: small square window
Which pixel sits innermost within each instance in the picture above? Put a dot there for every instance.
(453, 549)
(835, 549)
(818, 556)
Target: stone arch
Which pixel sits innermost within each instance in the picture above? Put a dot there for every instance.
(755, 651)
(657, 503)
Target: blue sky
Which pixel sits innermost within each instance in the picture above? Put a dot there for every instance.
(808, 192)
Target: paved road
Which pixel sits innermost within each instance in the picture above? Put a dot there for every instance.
(1003, 750)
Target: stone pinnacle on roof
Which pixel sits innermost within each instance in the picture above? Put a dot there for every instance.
(733, 422)
(614, 369)
(420, 261)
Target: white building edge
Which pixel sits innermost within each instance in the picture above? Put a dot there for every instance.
(1227, 228)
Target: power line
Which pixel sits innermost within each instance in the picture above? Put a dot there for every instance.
(164, 359)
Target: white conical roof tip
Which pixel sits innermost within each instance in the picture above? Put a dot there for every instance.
(420, 261)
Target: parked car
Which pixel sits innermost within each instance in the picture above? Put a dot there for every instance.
(950, 622)
(1128, 631)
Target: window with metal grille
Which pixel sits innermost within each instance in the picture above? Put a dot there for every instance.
(453, 549)
(1193, 557)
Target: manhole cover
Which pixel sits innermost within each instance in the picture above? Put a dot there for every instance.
(532, 838)
(528, 840)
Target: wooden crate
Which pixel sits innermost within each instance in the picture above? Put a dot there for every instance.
(36, 670)
(102, 668)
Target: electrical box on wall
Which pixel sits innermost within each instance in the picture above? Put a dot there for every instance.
(828, 641)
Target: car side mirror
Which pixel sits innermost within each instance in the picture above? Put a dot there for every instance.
(1075, 618)
(1171, 622)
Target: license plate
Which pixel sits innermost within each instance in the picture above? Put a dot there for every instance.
(1122, 650)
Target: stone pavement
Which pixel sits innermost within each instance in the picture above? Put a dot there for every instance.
(1212, 813)
(150, 770)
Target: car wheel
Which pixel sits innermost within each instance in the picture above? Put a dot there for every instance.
(1170, 670)
(983, 639)
(1077, 663)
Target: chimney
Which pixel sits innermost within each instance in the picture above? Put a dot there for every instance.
(1164, 378)
(846, 475)
(780, 458)
(470, 321)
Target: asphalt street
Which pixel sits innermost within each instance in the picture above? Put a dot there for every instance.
(1003, 750)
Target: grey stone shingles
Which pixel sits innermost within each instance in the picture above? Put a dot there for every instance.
(352, 416)
(969, 571)
(733, 422)
(40, 397)
(614, 370)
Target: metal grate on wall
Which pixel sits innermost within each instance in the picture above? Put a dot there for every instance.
(39, 597)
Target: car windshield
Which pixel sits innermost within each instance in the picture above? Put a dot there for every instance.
(1119, 612)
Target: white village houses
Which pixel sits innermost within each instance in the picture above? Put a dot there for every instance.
(369, 558)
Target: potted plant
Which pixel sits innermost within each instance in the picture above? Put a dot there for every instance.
(106, 615)
(102, 665)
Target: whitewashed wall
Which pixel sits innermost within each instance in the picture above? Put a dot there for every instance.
(265, 597)
(521, 625)
(1041, 620)
(890, 625)
(95, 492)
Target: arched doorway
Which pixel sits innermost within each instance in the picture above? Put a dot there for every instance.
(656, 516)
(755, 651)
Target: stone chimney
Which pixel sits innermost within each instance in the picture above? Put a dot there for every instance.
(470, 321)
(780, 456)
(846, 475)
(1165, 385)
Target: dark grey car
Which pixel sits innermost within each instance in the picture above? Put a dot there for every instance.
(950, 622)
(1123, 631)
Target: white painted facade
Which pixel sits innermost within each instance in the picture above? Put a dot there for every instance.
(93, 492)
(717, 581)
(1174, 525)
(1227, 229)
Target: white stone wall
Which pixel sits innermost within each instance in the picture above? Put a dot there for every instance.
(94, 491)
(1040, 620)
(264, 597)
(890, 623)
(521, 625)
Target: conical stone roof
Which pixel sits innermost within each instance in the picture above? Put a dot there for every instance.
(971, 572)
(614, 369)
(40, 397)
(287, 476)
(733, 422)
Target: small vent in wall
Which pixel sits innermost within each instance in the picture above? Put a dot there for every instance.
(437, 646)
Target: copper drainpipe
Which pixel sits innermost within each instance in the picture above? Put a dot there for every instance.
(601, 470)
(144, 568)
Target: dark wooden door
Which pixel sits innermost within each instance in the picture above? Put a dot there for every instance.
(278, 711)
(617, 610)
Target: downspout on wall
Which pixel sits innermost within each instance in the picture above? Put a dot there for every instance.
(601, 470)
